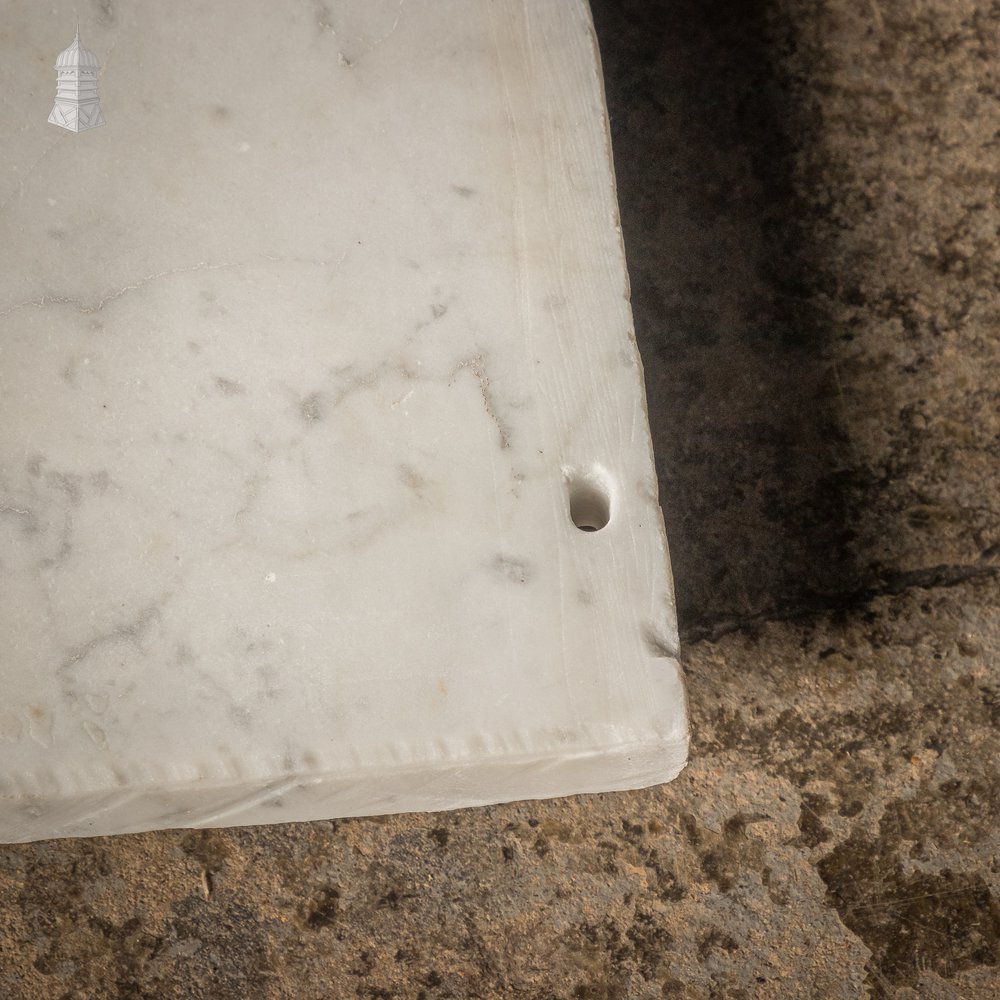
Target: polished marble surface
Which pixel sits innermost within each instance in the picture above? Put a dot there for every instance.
(309, 358)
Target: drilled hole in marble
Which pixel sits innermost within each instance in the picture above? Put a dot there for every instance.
(589, 504)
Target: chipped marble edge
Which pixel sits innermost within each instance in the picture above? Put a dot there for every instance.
(633, 343)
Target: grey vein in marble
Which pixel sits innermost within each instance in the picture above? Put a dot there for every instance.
(309, 358)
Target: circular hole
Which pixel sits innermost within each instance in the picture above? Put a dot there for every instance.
(589, 505)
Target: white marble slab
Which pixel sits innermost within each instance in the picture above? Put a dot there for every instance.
(309, 357)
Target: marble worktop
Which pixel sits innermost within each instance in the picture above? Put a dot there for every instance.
(310, 357)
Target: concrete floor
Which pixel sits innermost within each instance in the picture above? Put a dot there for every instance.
(810, 204)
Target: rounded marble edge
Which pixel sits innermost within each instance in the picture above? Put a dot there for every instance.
(445, 781)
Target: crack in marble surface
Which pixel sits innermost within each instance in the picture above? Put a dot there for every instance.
(476, 366)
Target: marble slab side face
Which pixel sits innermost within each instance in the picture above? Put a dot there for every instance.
(313, 358)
